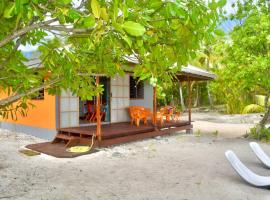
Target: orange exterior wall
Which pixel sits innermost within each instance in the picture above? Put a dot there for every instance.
(43, 115)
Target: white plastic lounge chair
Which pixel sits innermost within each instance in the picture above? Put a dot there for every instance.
(245, 173)
(261, 155)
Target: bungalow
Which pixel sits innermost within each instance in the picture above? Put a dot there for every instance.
(54, 114)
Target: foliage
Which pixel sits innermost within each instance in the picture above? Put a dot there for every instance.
(173, 36)
(94, 38)
(253, 108)
(260, 100)
(263, 135)
(245, 65)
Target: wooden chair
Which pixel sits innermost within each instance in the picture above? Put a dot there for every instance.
(167, 111)
(102, 114)
(91, 111)
(139, 112)
(177, 116)
(160, 118)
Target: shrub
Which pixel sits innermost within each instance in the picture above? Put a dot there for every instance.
(262, 134)
(253, 108)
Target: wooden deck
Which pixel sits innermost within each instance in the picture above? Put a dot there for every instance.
(112, 134)
(120, 129)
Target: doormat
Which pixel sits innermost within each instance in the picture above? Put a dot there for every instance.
(29, 152)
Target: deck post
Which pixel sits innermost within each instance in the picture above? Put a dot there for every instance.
(189, 100)
(98, 133)
(189, 131)
(155, 107)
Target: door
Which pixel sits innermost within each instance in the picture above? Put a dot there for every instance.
(120, 98)
(69, 109)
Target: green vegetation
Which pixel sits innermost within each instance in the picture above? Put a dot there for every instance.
(241, 61)
(263, 135)
(246, 61)
(77, 41)
(253, 108)
(93, 38)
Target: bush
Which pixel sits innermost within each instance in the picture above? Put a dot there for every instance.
(260, 100)
(253, 108)
(262, 135)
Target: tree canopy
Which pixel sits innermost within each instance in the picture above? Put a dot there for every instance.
(245, 63)
(93, 38)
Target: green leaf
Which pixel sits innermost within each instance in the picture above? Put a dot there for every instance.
(118, 27)
(30, 14)
(133, 28)
(104, 15)
(8, 13)
(96, 10)
(219, 32)
(18, 6)
(23, 105)
(115, 9)
(213, 5)
(64, 2)
(2, 7)
(222, 3)
(73, 14)
(32, 80)
(89, 22)
(127, 40)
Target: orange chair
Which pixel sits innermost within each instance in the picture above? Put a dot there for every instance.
(139, 112)
(177, 116)
(160, 118)
(167, 111)
(91, 111)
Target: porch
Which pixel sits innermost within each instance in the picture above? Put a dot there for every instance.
(119, 130)
(112, 134)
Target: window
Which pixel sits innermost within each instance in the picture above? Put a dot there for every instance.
(39, 95)
(136, 88)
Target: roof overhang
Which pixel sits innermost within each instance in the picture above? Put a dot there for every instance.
(193, 73)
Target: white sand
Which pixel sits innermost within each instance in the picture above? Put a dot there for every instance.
(174, 167)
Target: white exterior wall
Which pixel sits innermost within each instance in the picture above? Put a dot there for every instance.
(69, 110)
(147, 101)
(120, 98)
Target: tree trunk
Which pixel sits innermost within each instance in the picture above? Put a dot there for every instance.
(209, 95)
(267, 113)
(181, 97)
(265, 117)
(207, 85)
(196, 101)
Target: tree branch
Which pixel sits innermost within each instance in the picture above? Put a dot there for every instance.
(16, 97)
(66, 29)
(24, 30)
(15, 48)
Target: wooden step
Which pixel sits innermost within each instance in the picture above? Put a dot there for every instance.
(71, 140)
(64, 137)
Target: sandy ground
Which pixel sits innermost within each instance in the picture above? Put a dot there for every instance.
(176, 167)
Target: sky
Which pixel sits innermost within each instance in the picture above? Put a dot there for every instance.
(227, 26)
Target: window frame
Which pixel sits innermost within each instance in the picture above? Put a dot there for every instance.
(39, 97)
(143, 85)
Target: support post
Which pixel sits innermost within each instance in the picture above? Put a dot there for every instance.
(155, 107)
(189, 131)
(98, 133)
(189, 100)
(181, 96)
